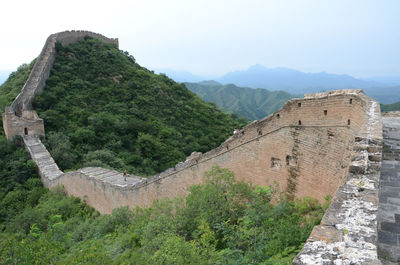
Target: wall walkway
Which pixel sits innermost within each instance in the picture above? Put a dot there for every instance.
(389, 195)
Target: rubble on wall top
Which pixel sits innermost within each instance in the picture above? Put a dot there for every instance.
(391, 114)
(335, 92)
(98, 35)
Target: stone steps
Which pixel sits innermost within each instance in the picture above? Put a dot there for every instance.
(49, 169)
(46, 164)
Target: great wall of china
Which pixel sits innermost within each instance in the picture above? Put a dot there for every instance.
(327, 143)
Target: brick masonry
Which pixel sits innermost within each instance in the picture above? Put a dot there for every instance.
(348, 231)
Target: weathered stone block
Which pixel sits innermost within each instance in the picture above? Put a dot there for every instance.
(358, 167)
(374, 149)
(375, 157)
(390, 227)
(397, 218)
(389, 254)
(325, 233)
(387, 237)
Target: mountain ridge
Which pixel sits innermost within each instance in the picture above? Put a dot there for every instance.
(292, 81)
(298, 82)
(251, 103)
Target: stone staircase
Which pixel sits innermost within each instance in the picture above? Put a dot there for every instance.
(46, 164)
(49, 170)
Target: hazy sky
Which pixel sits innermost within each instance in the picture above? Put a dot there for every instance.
(212, 37)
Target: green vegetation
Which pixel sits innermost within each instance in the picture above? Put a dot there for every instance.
(13, 85)
(253, 104)
(390, 107)
(221, 222)
(15, 169)
(102, 109)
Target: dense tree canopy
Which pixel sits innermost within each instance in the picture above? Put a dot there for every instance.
(390, 107)
(221, 222)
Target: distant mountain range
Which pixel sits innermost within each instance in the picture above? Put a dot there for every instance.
(293, 81)
(386, 95)
(387, 80)
(253, 104)
(385, 89)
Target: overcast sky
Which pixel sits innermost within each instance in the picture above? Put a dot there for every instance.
(212, 37)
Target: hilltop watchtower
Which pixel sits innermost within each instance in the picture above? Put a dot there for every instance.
(28, 123)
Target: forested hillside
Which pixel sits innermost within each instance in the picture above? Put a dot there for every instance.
(102, 109)
(253, 104)
(13, 85)
(390, 107)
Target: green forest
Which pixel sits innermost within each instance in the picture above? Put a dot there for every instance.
(221, 222)
(101, 108)
(390, 107)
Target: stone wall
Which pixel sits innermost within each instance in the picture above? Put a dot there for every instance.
(251, 161)
(348, 231)
(311, 159)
